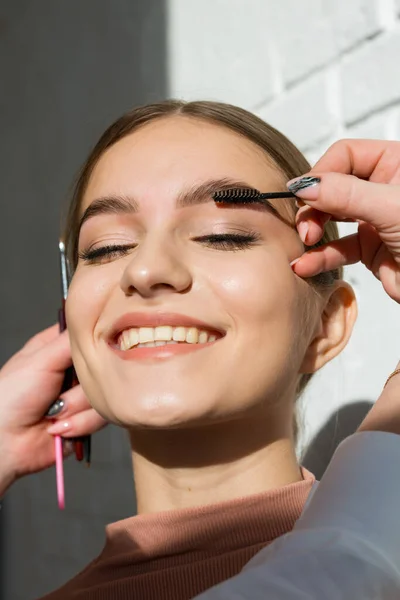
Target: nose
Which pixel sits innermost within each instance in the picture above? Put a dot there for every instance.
(155, 268)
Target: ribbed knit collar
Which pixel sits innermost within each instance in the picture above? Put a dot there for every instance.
(219, 528)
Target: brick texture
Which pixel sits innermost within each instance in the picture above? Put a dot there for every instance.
(353, 22)
(298, 28)
(305, 111)
(370, 81)
(216, 51)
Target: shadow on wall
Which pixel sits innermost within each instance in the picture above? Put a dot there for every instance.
(341, 424)
(69, 70)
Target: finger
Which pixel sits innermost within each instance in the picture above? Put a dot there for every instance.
(71, 402)
(345, 196)
(55, 355)
(370, 244)
(338, 253)
(310, 224)
(376, 160)
(41, 339)
(83, 423)
(316, 215)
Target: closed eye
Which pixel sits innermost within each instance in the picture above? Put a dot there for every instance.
(105, 253)
(229, 241)
(219, 241)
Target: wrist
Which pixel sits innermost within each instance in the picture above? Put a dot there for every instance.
(6, 481)
(7, 473)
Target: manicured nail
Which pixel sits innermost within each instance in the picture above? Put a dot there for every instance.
(55, 408)
(303, 228)
(59, 428)
(299, 203)
(296, 186)
(296, 260)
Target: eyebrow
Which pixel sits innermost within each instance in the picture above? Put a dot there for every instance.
(197, 194)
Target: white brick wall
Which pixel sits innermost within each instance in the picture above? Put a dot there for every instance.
(318, 70)
(210, 52)
(305, 109)
(370, 77)
(297, 29)
(353, 22)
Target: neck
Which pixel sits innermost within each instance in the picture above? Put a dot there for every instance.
(185, 468)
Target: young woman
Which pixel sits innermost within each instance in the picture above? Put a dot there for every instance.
(190, 329)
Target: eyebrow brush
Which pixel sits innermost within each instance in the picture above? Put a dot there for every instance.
(247, 196)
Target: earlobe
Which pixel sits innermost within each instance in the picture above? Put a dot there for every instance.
(335, 327)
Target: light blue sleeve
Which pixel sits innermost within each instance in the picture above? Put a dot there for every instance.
(346, 544)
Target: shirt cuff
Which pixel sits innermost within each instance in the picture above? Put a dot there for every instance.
(360, 492)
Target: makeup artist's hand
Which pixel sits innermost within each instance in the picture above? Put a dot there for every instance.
(29, 383)
(360, 182)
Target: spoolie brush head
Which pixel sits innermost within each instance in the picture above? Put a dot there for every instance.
(237, 195)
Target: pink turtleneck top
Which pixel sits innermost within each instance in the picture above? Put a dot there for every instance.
(175, 555)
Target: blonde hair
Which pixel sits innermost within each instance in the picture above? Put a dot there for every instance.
(288, 160)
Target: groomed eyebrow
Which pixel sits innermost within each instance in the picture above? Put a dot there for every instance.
(197, 194)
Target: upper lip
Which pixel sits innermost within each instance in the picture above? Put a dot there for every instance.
(147, 319)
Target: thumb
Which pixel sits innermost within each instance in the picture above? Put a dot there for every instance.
(55, 356)
(347, 197)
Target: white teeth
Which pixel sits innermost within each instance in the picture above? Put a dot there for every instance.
(179, 334)
(192, 336)
(129, 338)
(164, 334)
(203, 337)
(146, 334)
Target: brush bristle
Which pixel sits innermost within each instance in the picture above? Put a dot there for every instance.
(237, 195)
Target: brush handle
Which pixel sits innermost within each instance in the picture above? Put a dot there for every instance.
(272, 195)
(58, 450)
(70, 380)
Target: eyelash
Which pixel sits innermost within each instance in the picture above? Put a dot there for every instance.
(223, 241)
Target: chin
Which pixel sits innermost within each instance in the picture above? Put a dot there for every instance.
(155, 412)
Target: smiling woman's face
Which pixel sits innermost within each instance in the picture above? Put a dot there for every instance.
(189, 269)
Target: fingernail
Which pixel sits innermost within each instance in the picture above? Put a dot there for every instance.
(303, 228)
(297, 186)
(59, 428)
(296, 260)
(55, 408)
(299, 203)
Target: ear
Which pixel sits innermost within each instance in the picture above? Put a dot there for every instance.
(334, 327)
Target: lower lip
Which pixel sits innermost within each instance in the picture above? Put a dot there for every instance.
(159, 352)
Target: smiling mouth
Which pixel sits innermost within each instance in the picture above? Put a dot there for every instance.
(163, 335)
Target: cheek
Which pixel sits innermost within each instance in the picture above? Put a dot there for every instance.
(257, 290)
(87, 296)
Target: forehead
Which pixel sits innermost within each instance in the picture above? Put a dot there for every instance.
(171, 153)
